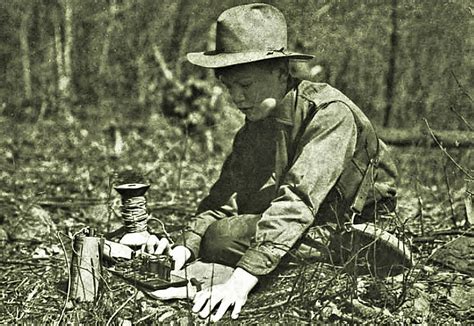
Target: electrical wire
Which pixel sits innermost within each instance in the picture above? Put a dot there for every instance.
(134, 214)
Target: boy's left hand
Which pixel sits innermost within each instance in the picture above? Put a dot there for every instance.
(234, 293)
(231, 292)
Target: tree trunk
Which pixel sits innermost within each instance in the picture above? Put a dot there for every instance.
(25, 52)
(414, 137)
(68, 44)
(390, 91)
(141, 78)
(58, 50)
(63, 49)
(181, 20)
(104, 57)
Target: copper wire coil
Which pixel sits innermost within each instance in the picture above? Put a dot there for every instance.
(134, 214)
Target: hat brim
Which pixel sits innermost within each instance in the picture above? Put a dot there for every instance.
(212, 59)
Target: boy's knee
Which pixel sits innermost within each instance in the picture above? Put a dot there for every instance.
(226, 240)
(215, 237)
(215, 245)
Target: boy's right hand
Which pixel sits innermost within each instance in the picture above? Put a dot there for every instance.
(180, 254)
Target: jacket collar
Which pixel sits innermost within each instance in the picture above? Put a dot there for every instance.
(284, 111)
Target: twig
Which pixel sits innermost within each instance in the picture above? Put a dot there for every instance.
(145, 318)
(22, 283)
(121, 307)
(420, 214)
(69, 279)
(461, 86)
(352, 320)
(160, 161)
(167, 73)
(426, 239)
(20, 262)
(110, 209)
(272, 306)
(27, 241)
(186, 267)
(30, 297)
(32, 294)
(468, 204)
(462, 118)
(445, 151)
(62, 204)
(295, 283)
(180, 164)
(450, 197)
(287, 276)
(434, 235)
(210, 296)
(75, 199)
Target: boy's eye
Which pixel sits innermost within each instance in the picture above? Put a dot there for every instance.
(246, 84)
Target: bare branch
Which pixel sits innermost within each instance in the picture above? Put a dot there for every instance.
(463, 170)
(462, 118)
(461, 86)
(167, 73)
(450, 197)
(68, 279)
(121, 307)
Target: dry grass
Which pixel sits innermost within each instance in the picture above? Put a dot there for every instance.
(60, 184)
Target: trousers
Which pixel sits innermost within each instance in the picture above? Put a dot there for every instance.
(227, 240)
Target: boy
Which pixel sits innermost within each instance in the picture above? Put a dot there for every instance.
(306, 156)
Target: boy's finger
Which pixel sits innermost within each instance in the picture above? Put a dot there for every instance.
(215, 298)
(225, 304)
(206, 310)
(170, 293)
(163, 245)
(236, 310)
(200, 299)
(150, 243)
(178, 262)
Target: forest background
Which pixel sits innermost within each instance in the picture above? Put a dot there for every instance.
(398, 60)
(89, 88)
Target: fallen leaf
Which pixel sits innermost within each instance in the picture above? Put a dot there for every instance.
(165, 316)
(457, 254)
(463, 297)
(40, 253)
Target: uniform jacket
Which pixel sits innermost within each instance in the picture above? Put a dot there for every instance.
(299, 167)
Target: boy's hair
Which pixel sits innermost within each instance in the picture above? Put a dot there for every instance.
(280, 63)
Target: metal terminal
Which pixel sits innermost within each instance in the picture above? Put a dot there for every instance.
(160, 265)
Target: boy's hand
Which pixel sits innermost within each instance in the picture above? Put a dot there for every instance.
(180, 254)
(232, 293)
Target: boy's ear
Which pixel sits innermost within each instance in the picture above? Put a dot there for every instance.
(284, 70)
(283, 74)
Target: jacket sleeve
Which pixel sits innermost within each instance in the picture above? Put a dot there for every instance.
(332, 135)
(220, 203)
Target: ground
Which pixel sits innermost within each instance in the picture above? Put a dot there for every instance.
(56, 176)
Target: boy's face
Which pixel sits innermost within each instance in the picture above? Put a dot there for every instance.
(251, 84)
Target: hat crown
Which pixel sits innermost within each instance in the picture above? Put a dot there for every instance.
(254, 27)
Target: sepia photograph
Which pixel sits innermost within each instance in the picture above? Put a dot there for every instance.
(236, 162)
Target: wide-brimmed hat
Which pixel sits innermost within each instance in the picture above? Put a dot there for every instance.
(247, 34)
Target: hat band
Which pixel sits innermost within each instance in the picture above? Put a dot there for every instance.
(269, 51)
